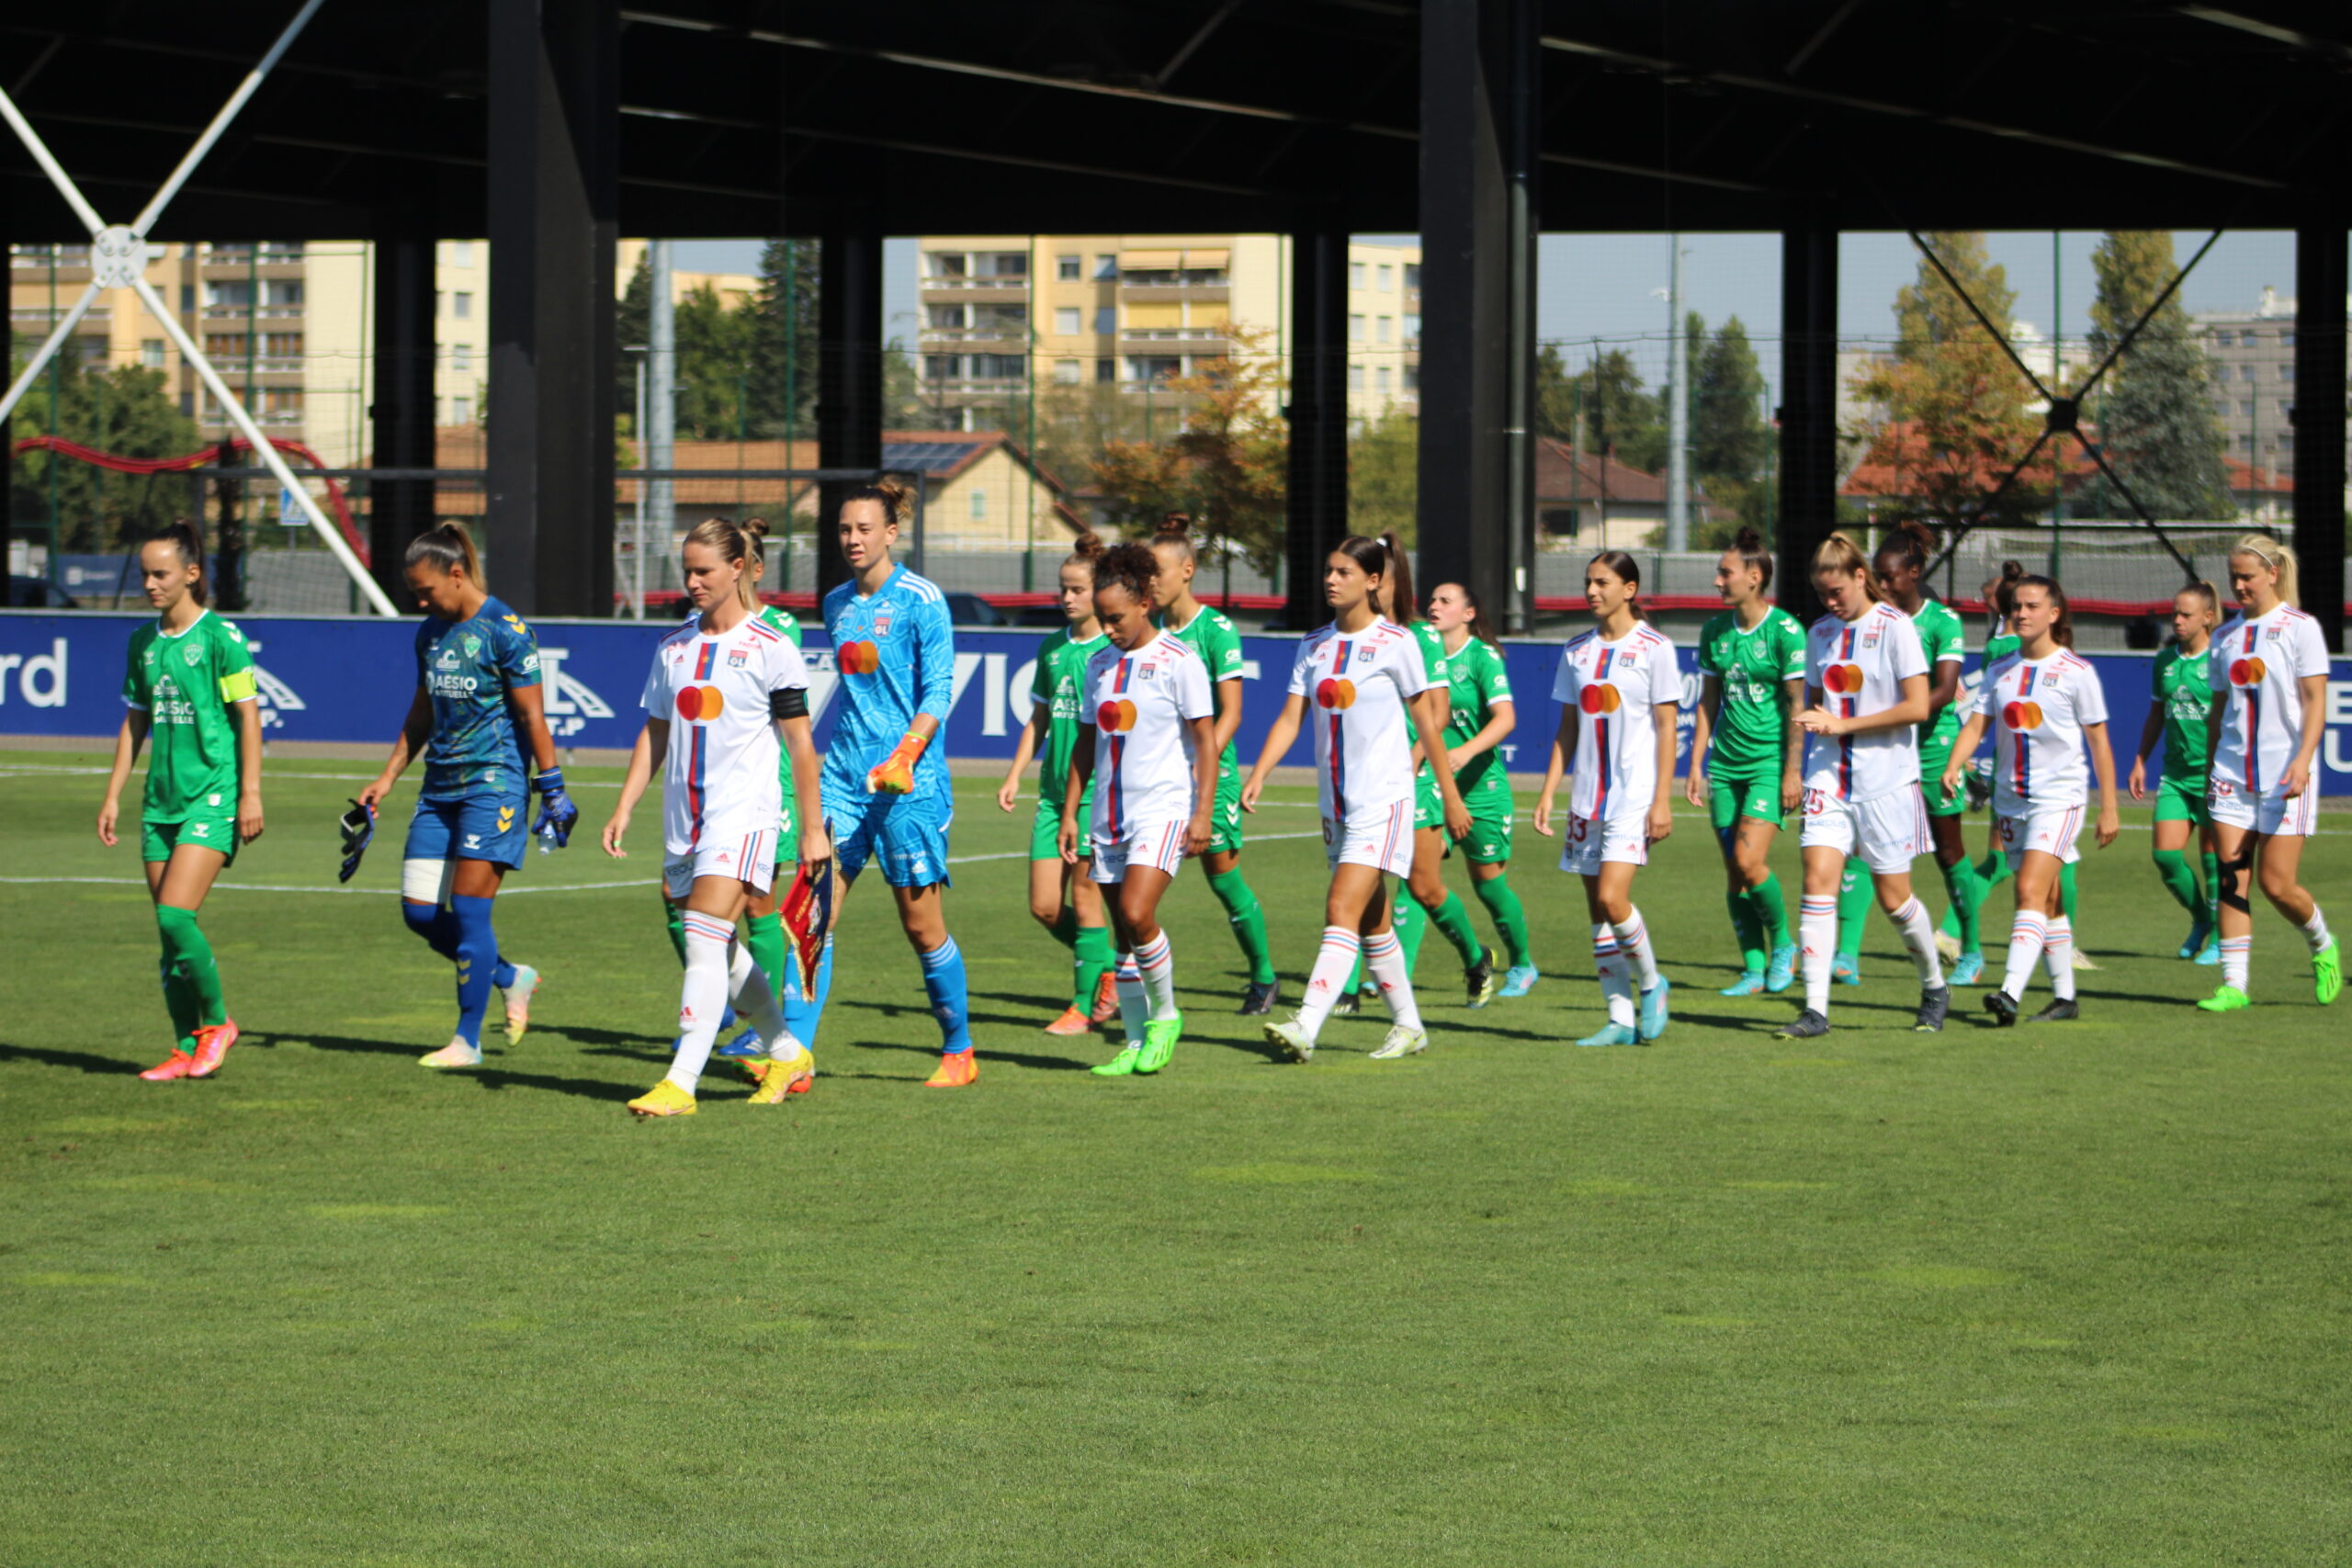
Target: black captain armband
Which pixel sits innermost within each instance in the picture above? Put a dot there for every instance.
(790, 703)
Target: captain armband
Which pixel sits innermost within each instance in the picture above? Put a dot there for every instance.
(791, 702)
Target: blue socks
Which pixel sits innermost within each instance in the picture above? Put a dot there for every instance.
(477, 956)
(942, 977)
(444, 931)
(803, 1014)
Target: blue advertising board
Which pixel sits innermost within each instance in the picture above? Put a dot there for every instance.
(350, 678)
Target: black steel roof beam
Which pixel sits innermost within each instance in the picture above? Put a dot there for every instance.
(1904, 111)
(243, 62)
(2221, 17)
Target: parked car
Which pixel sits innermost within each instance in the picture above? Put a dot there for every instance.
(971, 610)
(39, 594)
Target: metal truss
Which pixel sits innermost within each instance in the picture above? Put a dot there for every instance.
(119, 260)
(2063, 415)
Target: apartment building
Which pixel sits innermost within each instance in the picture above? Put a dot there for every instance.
(1002, 314)
(283, 324)
(2250, 358)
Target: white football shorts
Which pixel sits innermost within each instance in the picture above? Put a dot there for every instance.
(1382, 838)
(2270, 814)
(1887, 833)
(2052, 830)
(1587, 845)
(749, 858)
(1160, 844)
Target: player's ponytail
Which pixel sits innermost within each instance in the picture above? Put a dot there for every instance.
(1174, 534)
(448, 547)
(1840, 554)
(740, 543)
(1755, 555)
(2001, 592)
(182, 536)
(2061, 631)
(1480, 627)
(1629, 571)
(2280, 558)
(1403, 608)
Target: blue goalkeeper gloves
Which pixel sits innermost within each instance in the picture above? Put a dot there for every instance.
(557, 815)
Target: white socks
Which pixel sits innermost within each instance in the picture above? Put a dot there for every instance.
(753, 994)
(2058, 954)
(702, 997)
(1616, 975)
(1159, 967)
(1333, 964)
(1817, 940)
(1633, 941)
(1919, 938)
(1384, 956)
(2236, 951)
(2029, 932)
(2316, 929)
(1134, 1008)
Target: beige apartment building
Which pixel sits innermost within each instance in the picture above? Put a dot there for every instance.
(1003, 313)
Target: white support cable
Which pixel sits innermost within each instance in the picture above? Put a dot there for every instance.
(118, 260)
(212, 133)
(329, 534)
(56, 340)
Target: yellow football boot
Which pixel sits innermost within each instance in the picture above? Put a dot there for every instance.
(664, 1099)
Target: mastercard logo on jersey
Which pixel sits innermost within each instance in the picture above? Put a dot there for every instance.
(1845, 680)
(1336, 692)
(1117, 716)
(1603, 698)
(2247, 671)
(2022, 716)
(858, 659)
(700, 704)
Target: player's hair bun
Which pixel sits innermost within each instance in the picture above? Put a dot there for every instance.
(1174, 526)
(1087, 546)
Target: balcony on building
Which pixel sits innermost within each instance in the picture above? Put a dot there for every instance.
(981, 277)
(1175, 277)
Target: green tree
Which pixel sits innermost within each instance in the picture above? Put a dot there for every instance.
(784, 337)
(1618, 414)
(2156, 425)
(1729, 437)
(125, 412)
(1959, 403)
(1384, 475)
(1226, 464)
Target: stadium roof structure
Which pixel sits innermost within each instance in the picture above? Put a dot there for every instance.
(551, 126)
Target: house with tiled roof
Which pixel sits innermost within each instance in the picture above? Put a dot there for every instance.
(1590, 501)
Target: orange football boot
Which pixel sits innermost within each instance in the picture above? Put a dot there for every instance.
(1072, 1022)
(957, 1069)
(172, 1066)
(211, 1047)
(1107, 999)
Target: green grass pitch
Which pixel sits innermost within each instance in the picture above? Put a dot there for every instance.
(2079, 1294)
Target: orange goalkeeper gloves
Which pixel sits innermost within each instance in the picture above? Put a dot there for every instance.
(895, 773)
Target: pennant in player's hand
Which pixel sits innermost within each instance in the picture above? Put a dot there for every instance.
(808, 915)
(358, 832)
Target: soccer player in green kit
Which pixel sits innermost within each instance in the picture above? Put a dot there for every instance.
(1752, 657)
(1480, 717)
(1056, 717)
(2181, 711)
(190, 686)
(1209, 634)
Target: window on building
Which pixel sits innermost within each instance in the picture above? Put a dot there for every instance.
(1106, 267)
(980, 506)
(941, 367)
(1067, 269)
(2246, 408)
(239, 294)
(280, 291)
(1008, 264)
(2287, 337)
(1106, 370)
(1065, 319)
(1412, 275)
(2287, 443)
(2221, 406)
(945, 264)
(999, 367)
(1355, 378)
(1154, 367)
(462, 411)
(2286, 370)
(943, 317)
(222, 347)
(1066, 372)
(285, 403)
(1383, 380)
(1355, 275)
(2248, 372)
(2223, 337)
(1005, 317)
(1385, 330)
(461, 306)
(1355, 329)
(461, 253)
(2286, 409)
(151, 353)
(2245, 443)
(187, 405)
(188, 299)
(1412, 377)
(1386, 275)
(461, 357)
(1107, 319)
(1412, 329)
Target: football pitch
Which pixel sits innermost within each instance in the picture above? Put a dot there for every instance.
(2071, 1294)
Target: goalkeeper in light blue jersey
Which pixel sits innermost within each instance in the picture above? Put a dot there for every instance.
(885, 783)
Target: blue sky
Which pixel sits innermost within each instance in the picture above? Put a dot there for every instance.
(1599, 287)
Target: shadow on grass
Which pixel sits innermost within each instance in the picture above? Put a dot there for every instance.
(80, 1061)
(988, 1054)
(497, 1079)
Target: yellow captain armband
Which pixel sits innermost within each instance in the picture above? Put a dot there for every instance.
(239, 687)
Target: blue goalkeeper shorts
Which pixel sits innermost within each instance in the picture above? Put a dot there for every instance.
(489, 827)
(909, 833)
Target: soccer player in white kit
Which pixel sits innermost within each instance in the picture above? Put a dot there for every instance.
(1153, 721)
(2045, 706)
(1618, 689)
(725, 691)
(1362, 673)
(1866, 687)
(2269, 671)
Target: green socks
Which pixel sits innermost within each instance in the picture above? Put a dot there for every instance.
(1412, 923)
(2172, 867)
(1065, 928)
(1095, 957)
(1752, 956)
(1853, 909)
(1510, 918)
(1991, 872)
(1248, 920)
(671, 913)
(1960, 887)
(190, 955)
(763, 940)
(2066, 892)
(1771, 912)
(2213, 893)
(180, 1001)
(1453, 917)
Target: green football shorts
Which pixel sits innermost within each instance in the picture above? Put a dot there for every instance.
(1225, 814)
(1728, 799)
(1932, 762)
(1045, 828)
(2182, 800)
(213, 830)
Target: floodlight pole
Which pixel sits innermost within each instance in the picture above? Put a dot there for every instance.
(119, 260)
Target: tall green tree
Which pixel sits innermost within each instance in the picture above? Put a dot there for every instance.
(1385, 476)
(1729, 437)
(2154, 413)
(1607, 395)
(785, 340)
(1227, 463)
(126, 411)
(1959, 403)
